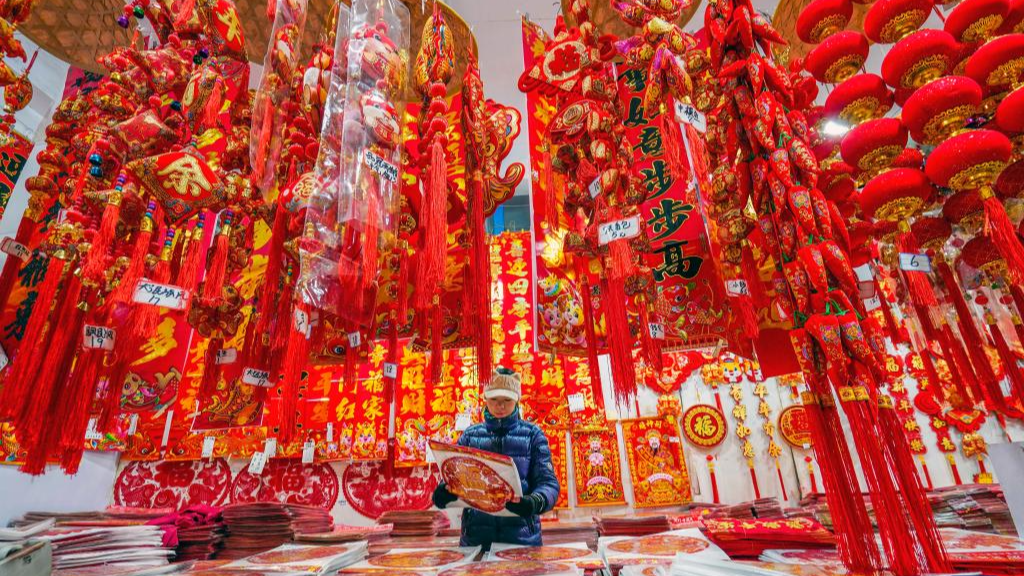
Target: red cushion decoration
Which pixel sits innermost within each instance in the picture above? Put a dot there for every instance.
(823, 18)
(838, 57)
(998, 62)
(940, 108)
(974, 20)
(874, 144)
(964, 209)
(931, 232)
(889, 21)
(1010, 114)
(859, 99)
(895, 195)
(918, 59)
(970, 160)
(981, 253)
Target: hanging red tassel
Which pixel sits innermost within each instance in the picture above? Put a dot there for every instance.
(125, 290)
(650, 346)
(211, 370)
(699, 154)
(1009, 360)
(216, 275)
(21, 374)
(295, 358)
(550, 193)
(481, 279)
(211, 111)
(434, 212)
(283, 318)
(394, 348)
(714, 481)
(918, 286)
(96, 260)
(588, 326)
(371, 237)
(999, 228)
(79, 395)
(192, 256)
(675, 152)
(186, 10)
(620, 342)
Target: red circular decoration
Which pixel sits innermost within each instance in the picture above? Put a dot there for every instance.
(823, 18)
(976, 20)
(303, 555)
(970, 160)
(480, 486)
(874, 144)
(417, 559)
(373, 488)
(659, 545)
(909, 158)
(838, 57)
(918, 59)
(860, 98)
(288, 481)
(704, 425)
(794, 427)
(173, 484)
(1014, 21)
(931, 232)
(895, 195)
(1011, 182)
(542, 553)
(940, 108)
(981, 253)
(509, 568)
(999, 62)
(964, 209)
(889, 21)
(1010, 114)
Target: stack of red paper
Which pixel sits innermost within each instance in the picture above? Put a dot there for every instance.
(985, 553)
(341, 534)
(749, 538)
(415, 522)
(633, 525)
(261, 526)
(199, 531)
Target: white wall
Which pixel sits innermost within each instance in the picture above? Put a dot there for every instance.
(89, 489)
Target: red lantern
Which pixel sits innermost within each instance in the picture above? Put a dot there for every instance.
(889, 21)
(1011, 182)
(872, 146)
(823, 18)
(861, 234)
(982, 254)
(964, 209)
(969, 161)
(839, 190)
(1014, 21)
(838, 57)
(964, 51)
(976, 20)
(931, 232)
(859, 99)
(918, 59)
(1010, 114)
(999, 62)
(895, 195)
(936, 111)
(909, 158)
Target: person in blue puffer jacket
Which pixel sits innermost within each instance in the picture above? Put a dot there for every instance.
(504, 432)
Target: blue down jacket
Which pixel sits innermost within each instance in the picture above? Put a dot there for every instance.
(528, 447)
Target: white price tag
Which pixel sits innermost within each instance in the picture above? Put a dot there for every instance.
(595, 187)
(618, 230)
(97, 337)
(270, 448)
(308, 452)
(690, 115)
(673, 439)
(208, 445)
(257, 462)
(15, 248)
(737, 287)
(354, 339)
(391, 370)
(872, 304)
(302, 325)
(256, 377)
(330, 431)
(227, 356)
(657, 330)
(385, 169)
(4, 360)
(133, 423)
(915, 262)
(866, 289)
(462, 421)
(576, 402)
(162, 295)
(91, 433)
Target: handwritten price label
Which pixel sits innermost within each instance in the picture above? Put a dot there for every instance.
(256, 377)
(872, 303)
(91, 432)
(737, 287)
(227, 356)
(915, 262)
(162, 295)
(595, 187)
(208, 444)
(257, 463)
(385, 169)
(330, 431)
(618, 230)
(354, 339)
(97, 337)
(692, 116)
(15, 248)
(308, 452)
(657, 330)
(270, 448)
(391, 370)
(577, 402)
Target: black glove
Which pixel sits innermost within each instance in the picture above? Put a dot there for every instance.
(530, 505)
(442, 497)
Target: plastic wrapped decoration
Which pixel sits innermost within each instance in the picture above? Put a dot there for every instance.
(279, 66)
